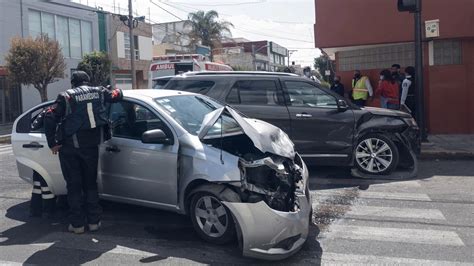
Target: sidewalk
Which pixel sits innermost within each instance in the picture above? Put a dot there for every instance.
(448, 147)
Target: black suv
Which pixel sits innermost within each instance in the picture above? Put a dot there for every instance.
(326, 128)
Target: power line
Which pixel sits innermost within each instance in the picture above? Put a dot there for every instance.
(243, 29)
(188, 5)
(226, 4)
(165, 10)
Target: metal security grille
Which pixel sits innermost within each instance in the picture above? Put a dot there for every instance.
(447, 52)
(377, 57)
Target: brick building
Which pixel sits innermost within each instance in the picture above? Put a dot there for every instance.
(371, 35)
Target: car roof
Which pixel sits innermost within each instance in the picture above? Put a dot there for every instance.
(236, 73)
(149, 93)
(164, 77)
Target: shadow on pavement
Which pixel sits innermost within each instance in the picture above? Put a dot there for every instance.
(149, 235)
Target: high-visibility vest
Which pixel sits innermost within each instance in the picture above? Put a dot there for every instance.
(359, 91)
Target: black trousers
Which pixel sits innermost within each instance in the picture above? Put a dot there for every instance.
(359, 102)
(79, 167)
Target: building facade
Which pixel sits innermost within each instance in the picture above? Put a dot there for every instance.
(371, 35)
(171, 38)
(251, 55)
(74, 28)
(119, 52)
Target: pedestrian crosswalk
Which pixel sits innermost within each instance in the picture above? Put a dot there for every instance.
(385, 224)
(6, 149)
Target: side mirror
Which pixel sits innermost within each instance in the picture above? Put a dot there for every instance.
(342, 105)
(156, 136)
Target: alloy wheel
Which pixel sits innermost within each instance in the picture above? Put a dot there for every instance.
(211, 216)
(374, 155)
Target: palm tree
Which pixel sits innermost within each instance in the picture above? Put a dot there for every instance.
(206, 29)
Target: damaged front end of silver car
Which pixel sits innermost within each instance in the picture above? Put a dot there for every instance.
(273, 212)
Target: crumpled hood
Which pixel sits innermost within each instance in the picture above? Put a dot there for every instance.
(265, 137)
(386, 112)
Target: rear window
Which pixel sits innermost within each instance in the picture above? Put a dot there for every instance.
(196, 86)
(160, 83)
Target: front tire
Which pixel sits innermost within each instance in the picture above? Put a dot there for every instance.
(211, 220)
(376, 154)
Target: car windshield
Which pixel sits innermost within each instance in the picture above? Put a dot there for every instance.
(189, 111)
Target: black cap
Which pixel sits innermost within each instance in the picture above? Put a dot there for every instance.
(78, 78)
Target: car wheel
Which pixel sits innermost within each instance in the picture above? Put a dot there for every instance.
(376, 154)
(212, 221)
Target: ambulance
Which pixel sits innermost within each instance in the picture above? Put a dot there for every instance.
(164, 67)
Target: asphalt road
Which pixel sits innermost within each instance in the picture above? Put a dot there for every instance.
(428, 220)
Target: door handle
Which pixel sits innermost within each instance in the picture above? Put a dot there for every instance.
(33, 145)
(112, 149)
(304, 115)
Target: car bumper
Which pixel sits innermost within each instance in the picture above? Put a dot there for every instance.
(265, 233)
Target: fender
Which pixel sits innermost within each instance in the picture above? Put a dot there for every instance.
(380, 124)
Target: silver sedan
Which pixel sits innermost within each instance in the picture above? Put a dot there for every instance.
(234, 176)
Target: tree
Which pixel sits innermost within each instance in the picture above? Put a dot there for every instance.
(322, 64)
(37, 62)
(206, 29)
(97, 66)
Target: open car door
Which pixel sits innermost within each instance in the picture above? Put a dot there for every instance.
(33, 154)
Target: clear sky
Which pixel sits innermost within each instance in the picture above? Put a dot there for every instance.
(286, 22)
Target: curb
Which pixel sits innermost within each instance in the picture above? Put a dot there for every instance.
(5, 139)
(447, 155)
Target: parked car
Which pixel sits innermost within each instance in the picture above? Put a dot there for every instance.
(186, 153)
(159, 83)
(326, 128)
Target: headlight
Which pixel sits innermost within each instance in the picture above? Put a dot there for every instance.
(410, 122)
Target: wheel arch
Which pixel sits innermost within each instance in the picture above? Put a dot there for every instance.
(36, 167)
(224, 192)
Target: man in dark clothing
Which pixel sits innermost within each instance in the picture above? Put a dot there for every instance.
(397, 76)
(75, 126)
(407, 98)
(337, 86)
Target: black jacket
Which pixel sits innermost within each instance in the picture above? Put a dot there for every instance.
(78, 117)
(338, 88)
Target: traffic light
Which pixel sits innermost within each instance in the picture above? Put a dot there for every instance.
(409, 5)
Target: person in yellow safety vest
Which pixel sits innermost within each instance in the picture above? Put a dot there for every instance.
(361, 89)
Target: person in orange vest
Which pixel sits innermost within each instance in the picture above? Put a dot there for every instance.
(361, 89)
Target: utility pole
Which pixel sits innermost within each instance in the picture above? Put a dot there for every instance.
(254, 55)
(414, 6)
(132, 44)
(420, 107)
(254, 58)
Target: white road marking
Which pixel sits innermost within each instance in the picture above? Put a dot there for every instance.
(329, 258)
(6, 152)
(377, 195)
(394, 195)
(399, 235)
(357, 182)
(396, 212)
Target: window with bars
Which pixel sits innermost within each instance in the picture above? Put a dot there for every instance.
(447, 52)
(126, 40)
(377, 57)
